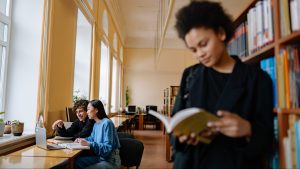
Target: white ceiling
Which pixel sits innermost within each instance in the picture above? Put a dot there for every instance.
(138, 20)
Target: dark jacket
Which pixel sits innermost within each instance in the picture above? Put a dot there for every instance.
(248, 93)
(77, 129)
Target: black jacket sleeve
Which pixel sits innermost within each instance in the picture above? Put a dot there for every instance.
(86, 130)
(260, 145)
(71, 131)
(77, 129)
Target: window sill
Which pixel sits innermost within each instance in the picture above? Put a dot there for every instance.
(10, 143)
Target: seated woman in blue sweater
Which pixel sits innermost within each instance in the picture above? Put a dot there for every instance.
(103, 141)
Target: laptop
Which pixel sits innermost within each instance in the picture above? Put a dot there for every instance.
(41, 140)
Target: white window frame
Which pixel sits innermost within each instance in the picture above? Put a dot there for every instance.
(7, 20)
(115, 85)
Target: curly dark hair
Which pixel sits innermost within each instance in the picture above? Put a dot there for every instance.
(80, 104)
(97, 104)
(203, 14)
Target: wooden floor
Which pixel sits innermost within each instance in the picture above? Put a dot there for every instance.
(154, 149)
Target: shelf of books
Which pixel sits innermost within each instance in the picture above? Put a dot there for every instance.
(268, 34)
(170, 94)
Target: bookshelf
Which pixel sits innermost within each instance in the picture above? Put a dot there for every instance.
(170, 94)
(285, 51)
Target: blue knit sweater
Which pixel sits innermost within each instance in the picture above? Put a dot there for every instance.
(104, 138)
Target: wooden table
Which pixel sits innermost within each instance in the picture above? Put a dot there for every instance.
(30, 162)
(141, 120)
(34, 151)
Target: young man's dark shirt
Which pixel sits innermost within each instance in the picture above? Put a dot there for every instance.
(78, 129)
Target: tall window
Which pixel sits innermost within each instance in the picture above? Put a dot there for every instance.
(5, 21)
(81, 87)
(23, 60)
(114, 91)
(104, 75)
(105, 22)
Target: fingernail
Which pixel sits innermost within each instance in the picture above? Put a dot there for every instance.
(209, 124)
(219, 113)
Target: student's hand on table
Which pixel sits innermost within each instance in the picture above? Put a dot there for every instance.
(57, 123)
(231, 125)
(82, 141)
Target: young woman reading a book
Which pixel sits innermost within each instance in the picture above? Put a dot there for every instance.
(240, 94)
(104, 141)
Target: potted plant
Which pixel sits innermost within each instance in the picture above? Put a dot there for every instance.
(2, 125)
(17, 127)
(127, 97)
(7, 128)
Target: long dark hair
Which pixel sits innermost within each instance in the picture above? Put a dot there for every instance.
(97, 104)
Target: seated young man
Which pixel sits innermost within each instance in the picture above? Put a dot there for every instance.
(81, 127)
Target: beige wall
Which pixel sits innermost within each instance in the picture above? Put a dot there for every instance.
(146, 78)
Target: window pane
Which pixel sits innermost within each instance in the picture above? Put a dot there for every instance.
(24, 59)
(2, 55)
(3, 31)
(4, 7)
(81, 87)
(120, 85)
(114, 92)
(104, 71)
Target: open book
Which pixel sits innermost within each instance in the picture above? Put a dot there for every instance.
(60, 139)
(186, 121)
(74, 146)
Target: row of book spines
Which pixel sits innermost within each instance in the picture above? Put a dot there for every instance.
(291, 143)
(173, 90)
(269, 66)
(289, 16)
(289, 76)
(260, 25)
(170, 94)
(254, 33)
(238, 44)
(274, 163)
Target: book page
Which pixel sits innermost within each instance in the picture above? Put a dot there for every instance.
(196, 123)
(62, 138)
(165, 119)
(74, 146)
(59, 141)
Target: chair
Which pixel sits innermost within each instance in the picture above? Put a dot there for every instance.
(150, 107)
(150, 119)
(131, 109)
(122, 135)
(71, 116)
(131, 152)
